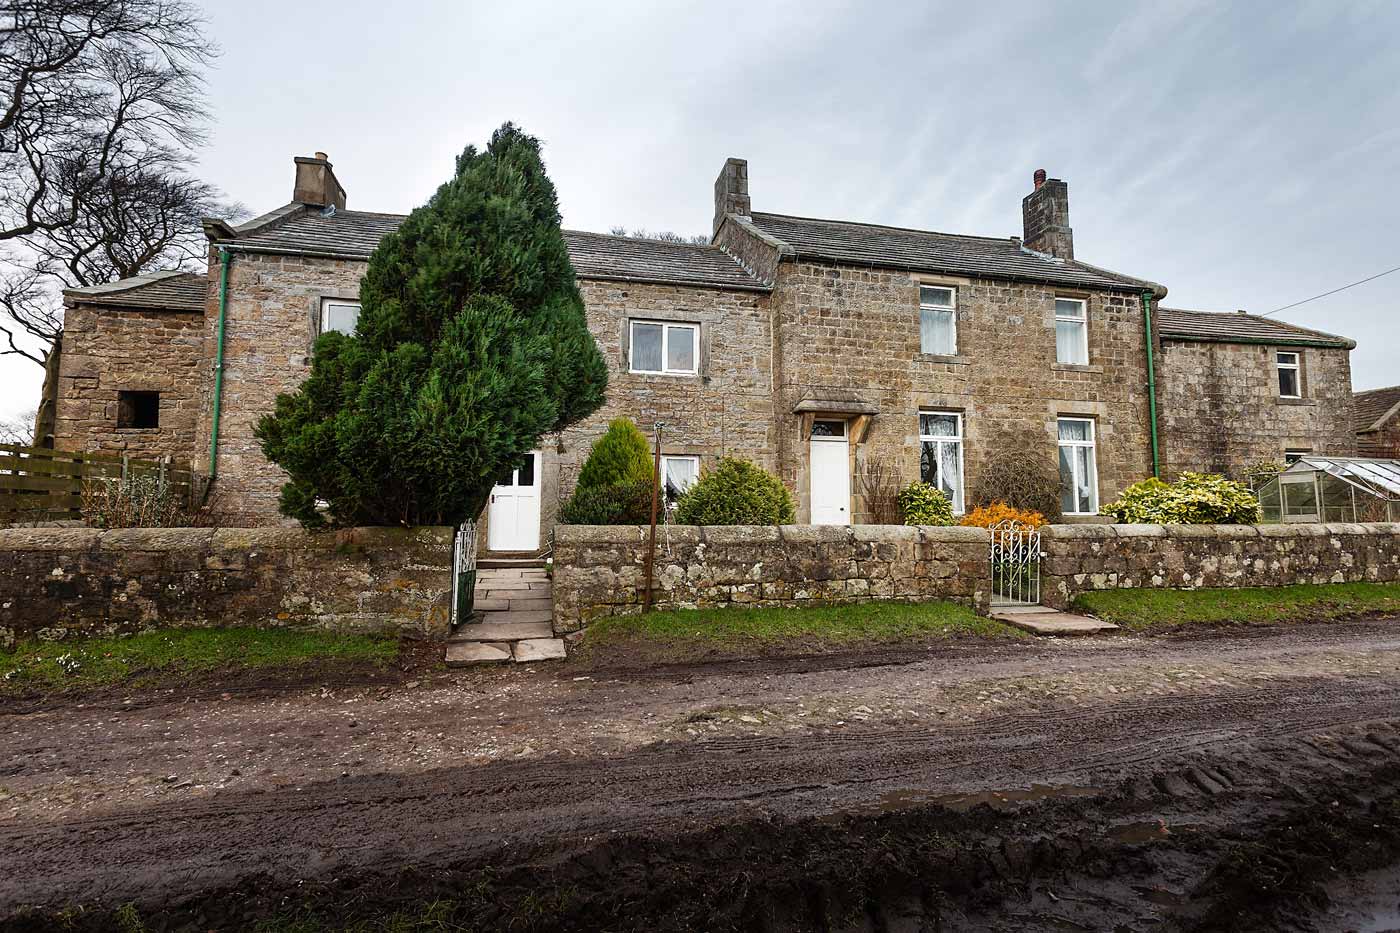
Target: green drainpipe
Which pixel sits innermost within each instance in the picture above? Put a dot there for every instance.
(224, 260)
(1151, 381)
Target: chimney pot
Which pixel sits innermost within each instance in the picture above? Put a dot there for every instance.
(1038, 177)
(322, 156)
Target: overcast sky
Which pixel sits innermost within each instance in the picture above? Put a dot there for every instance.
(1242, 154)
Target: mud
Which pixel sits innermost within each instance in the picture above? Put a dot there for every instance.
(1261, 790)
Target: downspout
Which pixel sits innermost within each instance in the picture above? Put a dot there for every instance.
(224, 260)
(1151, 381)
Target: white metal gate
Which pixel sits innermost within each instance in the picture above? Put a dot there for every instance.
(463, 573)
(1015, 564)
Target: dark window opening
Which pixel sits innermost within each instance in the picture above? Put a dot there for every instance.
(138, 409)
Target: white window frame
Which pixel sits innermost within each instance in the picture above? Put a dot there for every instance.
(1082, 319)
(666, 328)
(328, 303)
(667, 458)
(1092, 444)
(956, 441)
(1296, 366)
(951, 308)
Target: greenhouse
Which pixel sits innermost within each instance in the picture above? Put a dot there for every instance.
(1333, 489)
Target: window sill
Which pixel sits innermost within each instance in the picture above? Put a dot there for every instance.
(1076, 368)
(1286, 400)
(121, 430)
(942, 358)
(648, 375)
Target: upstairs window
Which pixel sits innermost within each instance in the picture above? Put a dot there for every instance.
(941, 453)
(339, 316)
(1079, 480)
(1071, 331)
(1289, 385)
(663, 347)
(138, 409)
(938, 320)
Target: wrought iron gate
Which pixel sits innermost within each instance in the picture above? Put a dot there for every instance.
(1015, 564)
(463, 573)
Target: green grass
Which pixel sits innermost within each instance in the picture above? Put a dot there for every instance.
(90, 662)
(832, 625)
(1151, 609)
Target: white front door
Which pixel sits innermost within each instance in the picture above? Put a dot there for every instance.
(513, 517)
(831, 474)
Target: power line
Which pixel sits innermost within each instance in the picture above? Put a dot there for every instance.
(1332, 292)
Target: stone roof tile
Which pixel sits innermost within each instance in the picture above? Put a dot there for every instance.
(1237, 327)
(156, 291)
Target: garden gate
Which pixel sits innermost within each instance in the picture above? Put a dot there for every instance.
(463, 573)
(1015, 564)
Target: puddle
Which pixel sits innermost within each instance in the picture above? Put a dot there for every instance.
(1162, 897)
(1139, 833)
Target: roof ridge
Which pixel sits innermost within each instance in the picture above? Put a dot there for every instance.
(118, 286)
(642, 239)
(1006, 240)
(1289, 325)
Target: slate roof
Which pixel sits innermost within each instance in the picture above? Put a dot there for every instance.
(355, 234)
(156, 291)
(1236, 327)
(927, 251)
(1372, 406)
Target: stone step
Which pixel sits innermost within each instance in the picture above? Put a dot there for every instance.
(539, 649)
(530, 605)
(1038, 620)
(512, 616)
(512, 587)
(508, 563)
(468, 653)
(491, 630)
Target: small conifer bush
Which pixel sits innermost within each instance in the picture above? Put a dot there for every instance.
(620, 456)
(736, 492)
(925, 504)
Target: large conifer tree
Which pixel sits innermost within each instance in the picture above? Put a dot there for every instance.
(471, 343)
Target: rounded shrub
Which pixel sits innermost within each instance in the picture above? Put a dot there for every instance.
(736, 492)
(620, 457)
(1194, 499)
(925, 504)
(620, 504)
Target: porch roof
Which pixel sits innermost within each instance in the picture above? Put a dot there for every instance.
(835, 402)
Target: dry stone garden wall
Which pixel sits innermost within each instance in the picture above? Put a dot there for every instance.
(1105, 557)
(599, 571)
(56, 582)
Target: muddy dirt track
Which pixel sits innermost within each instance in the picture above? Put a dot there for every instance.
(1241, 782)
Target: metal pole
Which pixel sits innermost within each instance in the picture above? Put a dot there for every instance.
(655, 494)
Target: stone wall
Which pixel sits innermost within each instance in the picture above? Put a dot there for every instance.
(107, 350)
(1106, 557)
(56, 582)
(1221, 412)
(857, 330)
(598, 571)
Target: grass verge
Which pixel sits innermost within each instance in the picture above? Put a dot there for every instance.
(1156, 610)
(734, 630)
(50, 667)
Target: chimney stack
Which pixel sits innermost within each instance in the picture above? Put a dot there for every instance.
(316, 184)
(1045, 217)
(732, 191)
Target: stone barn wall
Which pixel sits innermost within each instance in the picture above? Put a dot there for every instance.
(60, 582)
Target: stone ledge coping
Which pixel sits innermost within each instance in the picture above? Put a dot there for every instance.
(1299, 530)
(769, 534)
(217, 539)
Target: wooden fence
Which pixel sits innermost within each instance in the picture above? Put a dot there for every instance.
(39, 485)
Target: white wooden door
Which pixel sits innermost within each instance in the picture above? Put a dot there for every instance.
(513, 516)
(831, 480)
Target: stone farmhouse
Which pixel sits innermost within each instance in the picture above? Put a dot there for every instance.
(814, 347)
(1378, 423)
